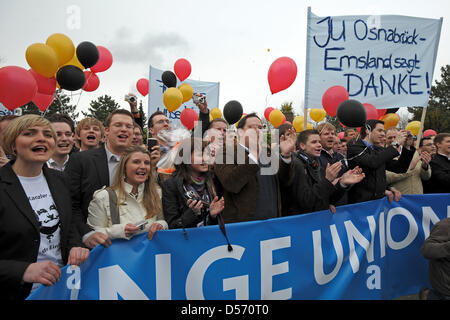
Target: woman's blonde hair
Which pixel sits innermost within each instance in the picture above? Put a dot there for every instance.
(19, 125)
(151, 199)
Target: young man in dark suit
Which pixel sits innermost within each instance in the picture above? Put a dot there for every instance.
(93, 169)
(440, 165)
(374, 160)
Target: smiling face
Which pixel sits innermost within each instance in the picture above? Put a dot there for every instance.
(64, 138)
(312, 146)
(119, 133)
(138, 139)
(137, 168)
(34, 145)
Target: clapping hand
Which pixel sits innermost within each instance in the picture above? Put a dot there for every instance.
(216, 206)
(426, 158)
(352, 176)
(332, 171)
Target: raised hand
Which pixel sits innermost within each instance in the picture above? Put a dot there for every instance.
(332, 171)
(216, 206)
(352, 176)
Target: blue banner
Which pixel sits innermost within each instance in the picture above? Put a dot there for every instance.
(369, 250)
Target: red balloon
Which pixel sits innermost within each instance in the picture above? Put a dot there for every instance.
(341, 135)
(17, 87)
(45, 85)
(381, 112)
(267, 113)
(188, 118)
(332, 98)
(284, 120)
(282, 74)
(182, 68)
(42, 101)
(104, 62)
(371, 111)
(92, 81)
(429, 132)
(142, 86)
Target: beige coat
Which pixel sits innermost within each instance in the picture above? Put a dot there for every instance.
(409, 182)
(131, 211)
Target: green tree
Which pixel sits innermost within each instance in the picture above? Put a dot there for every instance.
(438, 110)
(101, 108)
(288, 111)
(60, 104)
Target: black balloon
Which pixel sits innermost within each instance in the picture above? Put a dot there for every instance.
(232, 111)
(169, 79)
(351, 113)
(392, 110)
(87, 54)
(70, 78)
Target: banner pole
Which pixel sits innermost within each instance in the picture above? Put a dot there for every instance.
(422, 121)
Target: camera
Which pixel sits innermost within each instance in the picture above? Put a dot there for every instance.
(129, 98)
(198, 99)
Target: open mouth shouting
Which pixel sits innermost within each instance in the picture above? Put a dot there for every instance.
(39, 149)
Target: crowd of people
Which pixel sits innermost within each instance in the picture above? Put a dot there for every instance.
(65, 189)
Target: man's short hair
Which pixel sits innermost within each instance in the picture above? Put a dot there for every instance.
(8, 117)
(325, 126)
(218, 120)
(370, 125)
(118, 111)
(424, 139)
(304, 135)
(283, 128)
(242, 122)
(346, 131)
(60, 117)
(440, 137)
(88, 122)
(154, 114)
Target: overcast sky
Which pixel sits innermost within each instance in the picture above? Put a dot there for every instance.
(225, 41)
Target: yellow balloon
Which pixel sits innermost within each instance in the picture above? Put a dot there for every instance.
(74, 62)
(42, 59)
(63, 47)
(413, 127)
(215, 113)
(186, 91)
(276, 118)
(390, 120)
(210, 117)
(297, 123)
(317, 114)
(172, 98)
(309, 126)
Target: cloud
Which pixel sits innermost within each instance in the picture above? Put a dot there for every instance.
(152, 49)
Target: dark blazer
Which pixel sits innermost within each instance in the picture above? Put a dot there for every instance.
(440, 175)
(310, 191)
(374, 162)
(87, 172)
(239, 183)
(176, 211)
(19, 229)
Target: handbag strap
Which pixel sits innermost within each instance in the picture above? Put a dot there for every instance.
(113, 207)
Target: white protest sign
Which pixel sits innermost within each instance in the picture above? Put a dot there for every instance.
(157, 89)
(386, 60)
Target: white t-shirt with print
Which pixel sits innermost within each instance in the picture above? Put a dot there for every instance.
(41, 200)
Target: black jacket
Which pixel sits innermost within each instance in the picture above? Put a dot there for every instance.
(440, 175)
(87, 172)
(309, 190)
(176, 211)
(374, 161)
(324, 159)
(19, 229)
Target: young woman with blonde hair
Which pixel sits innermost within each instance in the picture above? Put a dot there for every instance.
(138, 201)
(37, 236)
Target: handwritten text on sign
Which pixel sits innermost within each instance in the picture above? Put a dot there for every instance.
(389, 63)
